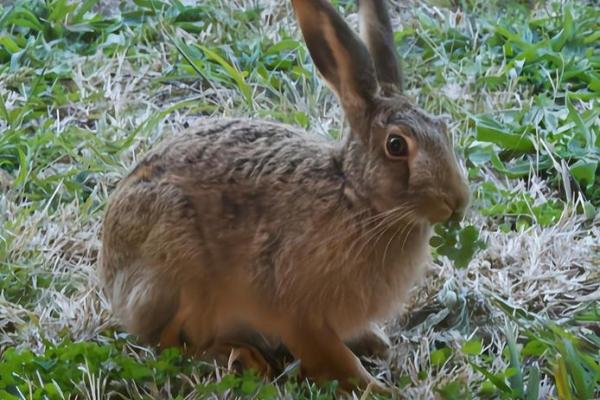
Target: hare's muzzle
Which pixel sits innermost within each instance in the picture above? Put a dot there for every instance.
(448, 202)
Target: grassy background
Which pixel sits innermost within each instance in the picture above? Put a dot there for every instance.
(87, 87)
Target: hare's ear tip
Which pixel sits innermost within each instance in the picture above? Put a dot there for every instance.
(376, 31)
(444, 118)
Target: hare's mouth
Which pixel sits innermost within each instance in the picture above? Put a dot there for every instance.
(436, 209)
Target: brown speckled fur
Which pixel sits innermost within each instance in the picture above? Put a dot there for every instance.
(242, 226)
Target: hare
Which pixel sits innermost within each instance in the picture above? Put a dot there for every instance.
(244, 235)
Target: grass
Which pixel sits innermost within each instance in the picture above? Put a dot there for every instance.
(510, 308)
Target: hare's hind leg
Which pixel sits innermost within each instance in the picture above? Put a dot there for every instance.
(324, 357)
(193, 329)
(245, 357)
(191, 326)
(372, 343)
(249, 349)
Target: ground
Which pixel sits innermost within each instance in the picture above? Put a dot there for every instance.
(510, 309)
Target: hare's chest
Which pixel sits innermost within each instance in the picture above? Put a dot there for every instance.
(398, 267)
(378, 289)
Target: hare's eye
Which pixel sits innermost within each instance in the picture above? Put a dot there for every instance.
(396, 147)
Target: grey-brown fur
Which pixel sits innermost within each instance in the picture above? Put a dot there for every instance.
(246, 226)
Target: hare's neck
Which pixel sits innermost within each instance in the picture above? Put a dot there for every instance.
(352, 159)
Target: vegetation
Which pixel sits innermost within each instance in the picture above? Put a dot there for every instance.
(511, 308)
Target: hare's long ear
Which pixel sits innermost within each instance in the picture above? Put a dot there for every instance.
(376, 31)
(340, 56)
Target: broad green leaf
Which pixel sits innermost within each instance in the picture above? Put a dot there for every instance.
(584, 171)
(489, 131)
(440, 356)
(472, 347)
(534, 347)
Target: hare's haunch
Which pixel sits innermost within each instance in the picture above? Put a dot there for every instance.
(254, 236)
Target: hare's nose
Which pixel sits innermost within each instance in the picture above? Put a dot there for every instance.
(459, 201)
(457, 215)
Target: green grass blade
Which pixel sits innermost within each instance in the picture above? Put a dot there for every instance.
(533, 383)
(516, 380)
(498, 382)
(233, 73)
(23, 168)
(185, 52)
(561, 379)
(85, 7)
(4, 112)
(576, 370)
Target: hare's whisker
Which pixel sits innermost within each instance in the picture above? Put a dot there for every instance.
(380, 231)
(413, 226)
(400, 231)
(362, 223)
(371, 233)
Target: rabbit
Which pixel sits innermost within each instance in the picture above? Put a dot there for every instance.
(242, 231)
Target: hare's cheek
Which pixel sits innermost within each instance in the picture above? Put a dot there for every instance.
(398, 180)
(391, 192)
(403, 176)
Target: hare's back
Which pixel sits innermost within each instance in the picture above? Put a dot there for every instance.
(228, 151)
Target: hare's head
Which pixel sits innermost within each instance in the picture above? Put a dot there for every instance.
(399, 154)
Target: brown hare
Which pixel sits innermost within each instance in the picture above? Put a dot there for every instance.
(246, 229)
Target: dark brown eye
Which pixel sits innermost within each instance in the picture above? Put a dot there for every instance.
(396, 146)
